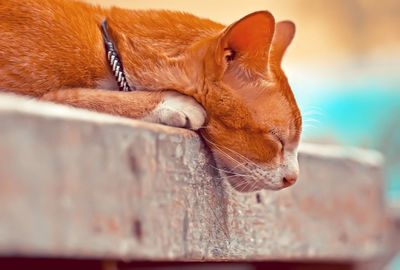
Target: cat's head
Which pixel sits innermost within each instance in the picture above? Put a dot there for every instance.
(254, 123)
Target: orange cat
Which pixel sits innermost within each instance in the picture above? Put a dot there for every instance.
(54, 50)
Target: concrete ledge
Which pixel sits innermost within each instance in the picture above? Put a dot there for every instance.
(80, 184)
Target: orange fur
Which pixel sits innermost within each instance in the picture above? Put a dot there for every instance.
(53, 49)
(135, 105)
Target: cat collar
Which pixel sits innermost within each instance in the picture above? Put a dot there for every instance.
(114, 60)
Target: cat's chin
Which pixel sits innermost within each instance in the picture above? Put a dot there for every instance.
(244, 185)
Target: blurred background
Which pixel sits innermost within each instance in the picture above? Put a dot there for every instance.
(343, 66)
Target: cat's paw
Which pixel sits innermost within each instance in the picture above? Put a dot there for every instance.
(178, 110)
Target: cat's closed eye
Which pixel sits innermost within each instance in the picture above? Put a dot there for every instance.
(278, 138)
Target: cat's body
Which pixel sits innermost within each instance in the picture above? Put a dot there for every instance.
(60, 46)
(62, 38)
(53, 50)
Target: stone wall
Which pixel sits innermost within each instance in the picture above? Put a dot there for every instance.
(79, 184)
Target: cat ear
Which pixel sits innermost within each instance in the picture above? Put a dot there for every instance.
(250, 36)
(284, 34)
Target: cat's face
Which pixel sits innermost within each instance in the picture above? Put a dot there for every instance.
(254, 123)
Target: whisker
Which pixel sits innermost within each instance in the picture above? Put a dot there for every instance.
(312, 113)
(309, 126)
(241, 185)
(230, 172)
(311, 120)
(313, 107)
(229, 156)
(238, 154)
(248, 184)
(236, 161)
(219, 148)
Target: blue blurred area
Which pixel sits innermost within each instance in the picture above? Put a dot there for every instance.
(365, 114)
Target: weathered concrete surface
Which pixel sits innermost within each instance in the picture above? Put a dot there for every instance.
(80, 184)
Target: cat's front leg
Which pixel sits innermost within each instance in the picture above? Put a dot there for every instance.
(179, 111)
(167, 107)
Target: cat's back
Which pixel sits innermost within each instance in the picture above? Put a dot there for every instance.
(44, 20)
(51, 15)
(170, 30)
(43, 41)
(52, 44)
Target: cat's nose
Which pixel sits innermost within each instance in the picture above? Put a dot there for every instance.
(289, 180)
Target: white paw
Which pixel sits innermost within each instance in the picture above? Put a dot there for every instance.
(178, 110)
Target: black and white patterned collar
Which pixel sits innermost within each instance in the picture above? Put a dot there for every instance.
(114, 60)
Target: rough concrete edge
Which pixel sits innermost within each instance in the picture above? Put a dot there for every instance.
(19, 104)
(10, 102)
